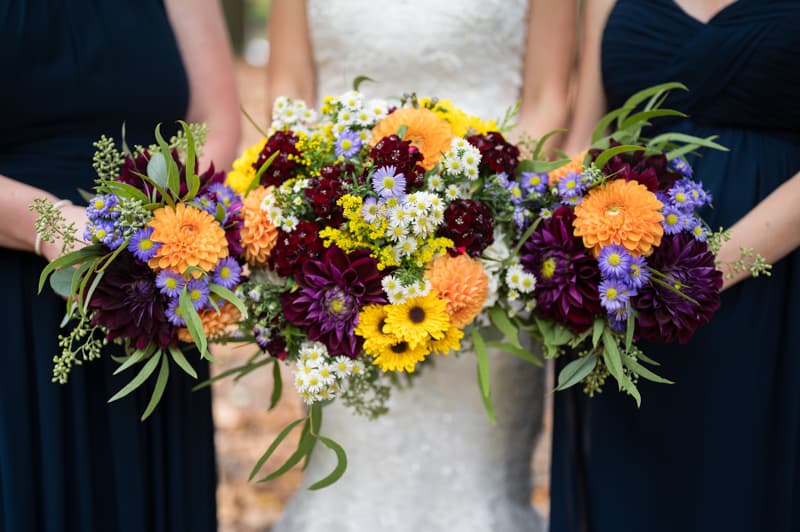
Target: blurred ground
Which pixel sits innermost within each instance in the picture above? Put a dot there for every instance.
(245, 428)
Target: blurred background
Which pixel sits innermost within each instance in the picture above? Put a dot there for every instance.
(244, 426)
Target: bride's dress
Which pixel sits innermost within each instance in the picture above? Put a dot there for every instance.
(435, 463)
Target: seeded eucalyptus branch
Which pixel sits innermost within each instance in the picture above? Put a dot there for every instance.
(107, 159)
(51, 226)
(82, 344)
(748, 261)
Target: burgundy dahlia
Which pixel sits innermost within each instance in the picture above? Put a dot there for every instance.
(404, 156)
(567, 275)
(322, 195)
(497, 154)
(129, 305)
(285, 165)
(663, 315)
(652, 171)
(331, 293)
(470, 225)
(293, 249)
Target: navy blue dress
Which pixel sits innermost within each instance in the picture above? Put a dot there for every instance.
(719, 451)
(71, 71)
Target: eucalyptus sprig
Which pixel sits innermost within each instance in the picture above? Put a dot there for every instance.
(52, 227)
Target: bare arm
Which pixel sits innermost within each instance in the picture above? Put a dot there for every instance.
(590, 102)
(199, 28)
(771, 228)
(549, 57)
(290, 71)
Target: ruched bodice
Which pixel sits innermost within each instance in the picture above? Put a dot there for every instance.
(719, 450)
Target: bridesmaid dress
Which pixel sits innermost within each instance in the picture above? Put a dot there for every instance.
(719, 450)
(73, 70)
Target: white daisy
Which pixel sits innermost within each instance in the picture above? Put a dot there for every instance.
(342, 366)
(289, 223)
(309, 397)
(435, 182)
(358, 368)
(377, 108)
(297, 201)
(364, 135)
(326, 394)
(472, 173)
(453, 166)
(453, 192)
(364, 118)
(406, 247)
(351, 99)
(460, 143)
(338, 129)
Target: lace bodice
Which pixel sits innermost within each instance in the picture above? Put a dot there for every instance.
(435, 462)
(469, 51)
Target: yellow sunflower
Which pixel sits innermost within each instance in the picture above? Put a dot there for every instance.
(620, 212)
(243, 172)
(418, 319)
(188, 237)
(461, 282)
(400, 356)
(370, 327)
(258, 232)
(451, 341)
(429, 133)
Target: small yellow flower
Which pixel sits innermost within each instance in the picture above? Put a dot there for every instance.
(451, 341)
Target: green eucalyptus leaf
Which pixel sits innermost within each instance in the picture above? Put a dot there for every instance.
(61, 281)
(126, 191)
(341, 464)
(180, 360)
(612, 356)
(500, 320)
(173, 175)
(275, 443)
(575, 371)
(70, 259)
(597, 330)
(139, 379)
(157, 170)
(161, 384)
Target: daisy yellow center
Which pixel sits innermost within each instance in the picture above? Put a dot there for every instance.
(535, 181)
(225, 272)
(99, 204)
(698, 230)
(571, 185)
(672, 219)
(614, 259)
(195, 294)
(146, 244)
(347, 144)
(611, 293)
(516, 192)
(101, 234)
(388, 182)
(549, 268)
(680, 197)
(635, 270)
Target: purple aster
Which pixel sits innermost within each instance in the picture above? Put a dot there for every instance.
(170, 283)
(223, 194)
(502, 179)
(369, 210)
(571, 186)
(227, 273)
(614, 295)
(534, 182)
(521, 217)
(638, 274)
(100, 207)
(674, 220)
(697, 195)
(142, 246)
(197, 290)
(614, 261)
(387, 182)
(207, 204)
(618, 319)
(697, 229)
(349, 144)
(663, 315)
(681, 166)
(330, 294)
(174, 313)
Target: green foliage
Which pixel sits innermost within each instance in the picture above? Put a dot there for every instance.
(82, 344)
(107, 159)
(367, 393)
(52, 226)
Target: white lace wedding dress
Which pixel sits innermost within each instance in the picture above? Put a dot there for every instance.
(435, 463)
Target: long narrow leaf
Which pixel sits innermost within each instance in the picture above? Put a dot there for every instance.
(180, 360)
(341, 464)
(520, 353)
(193, 323)
(575, 371)
(500, 320)
(707, 142)
(539, 145)
(173, 175)
(192, 180)
(275, 443)
(645, 116)
(70, 259)
(649, 92)
(603, 125)
(484, 381)
(606, 156)
(597, 330)
(139, 379)
(643, 372)
(161, 384)
(230, 297)
(245, 368)
(540, 167)
(612, 356)
(136, 357)
(277, 386)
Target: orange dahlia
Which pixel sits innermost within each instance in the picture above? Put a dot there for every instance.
(575, 165)
(258, 234)
(428, 132)
(461, 282)
(214, 323)
(620, 212)
(188, 237)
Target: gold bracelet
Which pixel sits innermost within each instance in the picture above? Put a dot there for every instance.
(37, 244)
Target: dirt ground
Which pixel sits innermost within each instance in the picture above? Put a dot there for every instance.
(244, 426)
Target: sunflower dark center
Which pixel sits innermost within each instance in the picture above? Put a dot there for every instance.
(402, 347)
(416, 314)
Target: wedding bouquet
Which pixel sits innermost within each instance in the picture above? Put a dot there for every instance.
(619, 250)
(376, 238)
(158, 265)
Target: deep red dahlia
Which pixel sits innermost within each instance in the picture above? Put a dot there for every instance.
(293, 249)
(285, 165)
(331, 293)
(497, 154)
(404, 156)
(470, 225)
(128, 303)
(652, 171)
(322, 195)
(663, 315)
(567, 274)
